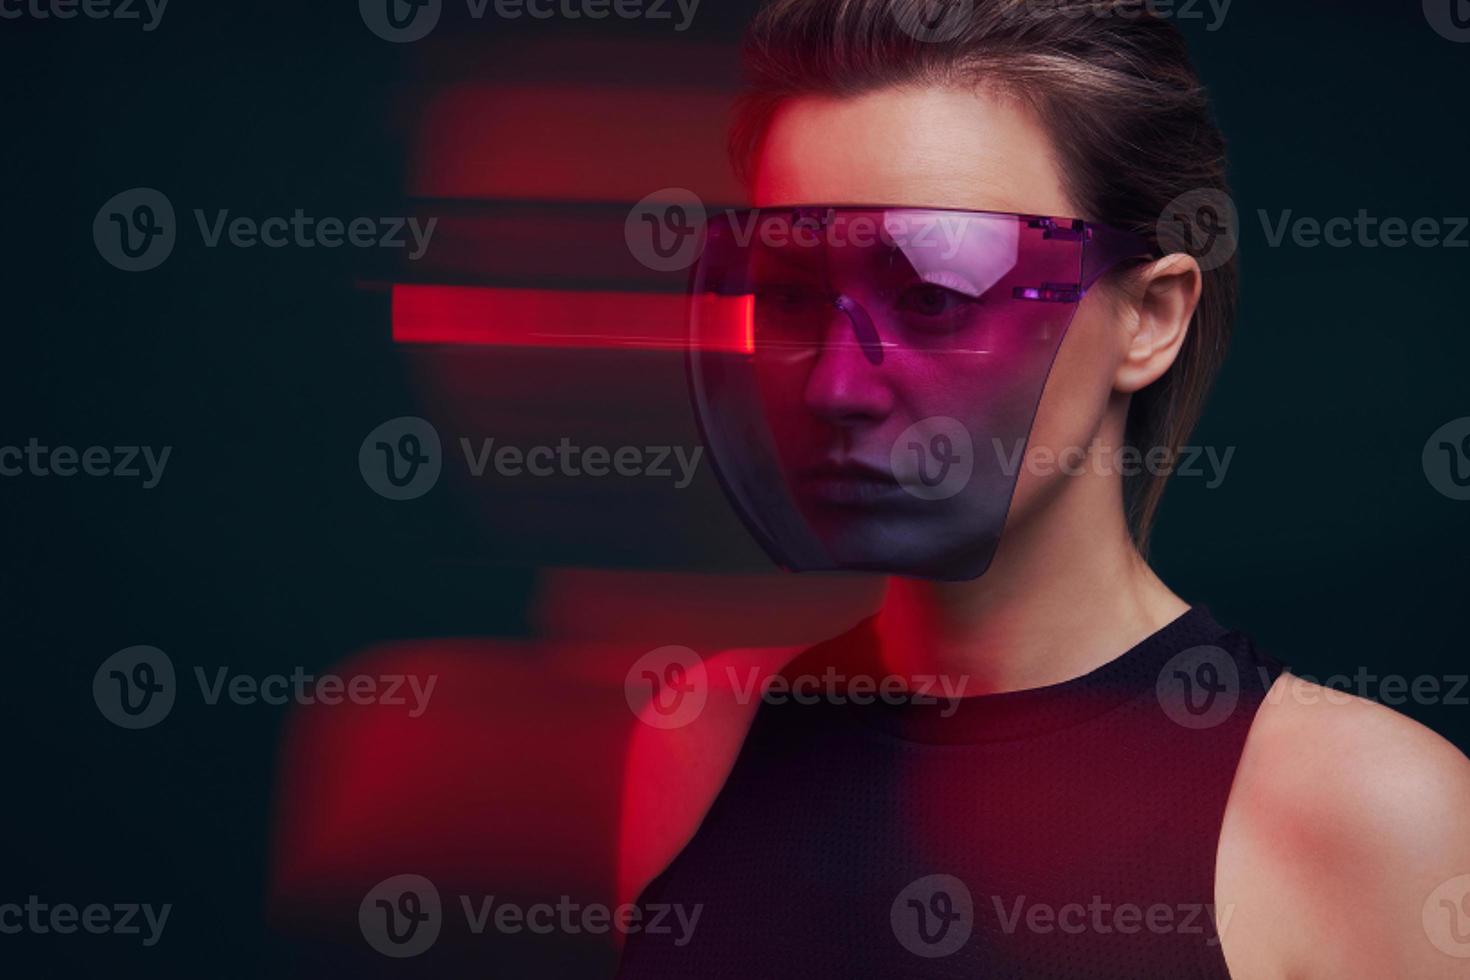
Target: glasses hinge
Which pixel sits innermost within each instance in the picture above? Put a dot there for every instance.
(1049, 292)
(1072, 231)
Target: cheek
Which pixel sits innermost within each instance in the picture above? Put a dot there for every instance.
(1075, 401)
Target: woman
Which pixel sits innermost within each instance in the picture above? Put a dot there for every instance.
(1113, 784)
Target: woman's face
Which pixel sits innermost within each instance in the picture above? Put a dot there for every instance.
(836, 416)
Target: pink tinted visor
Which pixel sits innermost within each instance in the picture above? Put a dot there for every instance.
(866, 377)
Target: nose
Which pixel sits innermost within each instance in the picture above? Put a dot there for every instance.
(847, 384)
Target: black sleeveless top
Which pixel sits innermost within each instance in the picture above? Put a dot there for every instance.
(1065, 831)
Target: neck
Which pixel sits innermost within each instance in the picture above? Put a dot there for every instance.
(1066, 593)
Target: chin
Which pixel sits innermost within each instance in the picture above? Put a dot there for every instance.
(940, 550)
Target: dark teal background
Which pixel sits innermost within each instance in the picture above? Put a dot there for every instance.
(261, 548)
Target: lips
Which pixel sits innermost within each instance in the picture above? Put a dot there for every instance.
(848, 483)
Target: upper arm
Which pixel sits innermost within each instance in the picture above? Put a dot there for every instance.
(1346, 850)
(673, 773)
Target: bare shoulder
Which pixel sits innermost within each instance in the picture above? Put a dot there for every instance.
(679, 753)
(1347, 823)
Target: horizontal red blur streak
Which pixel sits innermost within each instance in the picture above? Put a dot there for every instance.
(534, 142)
(481, 316)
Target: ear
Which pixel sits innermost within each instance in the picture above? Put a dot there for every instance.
(1164, 295)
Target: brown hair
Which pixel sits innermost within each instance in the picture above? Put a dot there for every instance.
(1115, 87)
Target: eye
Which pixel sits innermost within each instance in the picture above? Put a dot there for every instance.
(932, 300)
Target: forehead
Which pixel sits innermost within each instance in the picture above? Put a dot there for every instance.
(914, 145)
